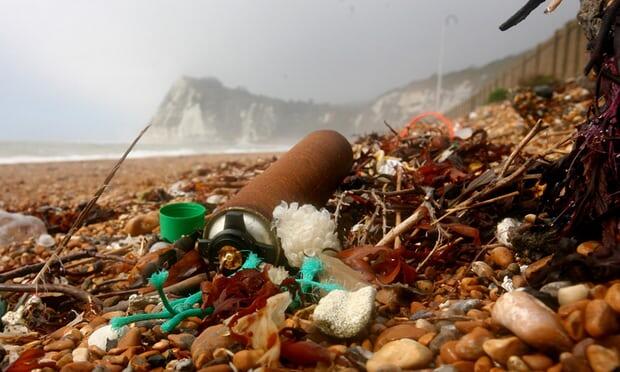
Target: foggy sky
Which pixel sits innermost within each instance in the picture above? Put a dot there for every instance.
(97, 70)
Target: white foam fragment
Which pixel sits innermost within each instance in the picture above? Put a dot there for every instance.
(344, 314)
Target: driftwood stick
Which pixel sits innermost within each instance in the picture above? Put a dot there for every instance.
(31, 269)
(419, 213)
(74, 292)
(399, 180)
(84, 213)
(533, 132)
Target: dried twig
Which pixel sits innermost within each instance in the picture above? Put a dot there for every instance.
(436, 248)
(399, 179)
(84, 213)
(416, 217)
(537, 128)
(74, 292)
(34, 268)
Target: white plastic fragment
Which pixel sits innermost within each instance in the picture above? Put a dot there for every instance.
(277, 274)
(304, 231)
(14, 321)
(15, 227)
(502, 232)
(46, 240)
(344, 314)
(103, 336)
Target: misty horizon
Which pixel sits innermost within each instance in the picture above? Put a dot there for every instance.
(98, 71)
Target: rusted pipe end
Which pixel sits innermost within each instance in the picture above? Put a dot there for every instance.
(308, 173)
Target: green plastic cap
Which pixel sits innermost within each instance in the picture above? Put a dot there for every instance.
(178, 219)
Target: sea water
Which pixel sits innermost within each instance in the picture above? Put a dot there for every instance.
(42, 152)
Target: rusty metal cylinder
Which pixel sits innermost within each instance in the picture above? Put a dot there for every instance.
(308, 173)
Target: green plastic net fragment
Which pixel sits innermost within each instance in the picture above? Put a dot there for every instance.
(176, 310)
(252, 262)
(310, 268)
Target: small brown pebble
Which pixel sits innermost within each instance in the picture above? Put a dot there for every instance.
(466, 326)
(500, 349)
(130, 352)
(427, 338)
(469, 347)
(96, 352)
(448, 353)
(600, 319)
(120, 360)
(483, 364)
(161, 345)
(63, 344)
(131, 338)
(589, 247)
(602, 359)
(406, 330)
(535, 269)
(139, 364)
(501, 256)
(579, 349)
(217, 368)
(387, 296)
(149, 353)
(574, 325)
(598, 292)
(246, 359)
(415, 307)
(612, 297)
(78, 367)
(337, 349)
(212, 338)
(366, 344)
(573, 363)
(538, 362)
(566, 310)
(66, 359)
(463, 366)
(142, 224)
(517, 364)
(518, 281)
(183, 341)
(113, 314)
(425, 286)
(478, 314)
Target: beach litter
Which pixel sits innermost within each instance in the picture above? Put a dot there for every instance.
(423, 250)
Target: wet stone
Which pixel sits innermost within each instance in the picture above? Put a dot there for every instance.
(461, 307)
(446, 333)
(404, 354)
(574, 293)
(501, 349)
(59, 345)
(601, 320)
(531, 321)
(469, 347)
(183, 340)
(397, 332)
(602, 359)
(156, 360)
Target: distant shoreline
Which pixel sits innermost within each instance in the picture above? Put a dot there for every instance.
(27, 153)
(71, 182)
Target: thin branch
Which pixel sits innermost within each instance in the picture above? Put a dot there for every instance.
(416, 217)
(74, 292)
(399, 179)
(84, 213)
(31, 269)
(532, 133)
(521, 14)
